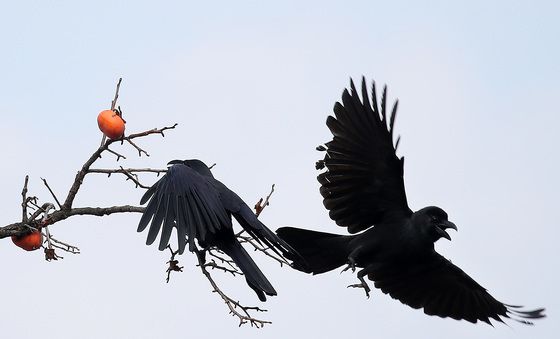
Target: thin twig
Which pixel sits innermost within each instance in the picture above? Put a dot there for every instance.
(52, 193)
(134, 178)
(214, 265)
(130, 173)
(145, 133)
(259, 247)
(140, 150)
(39, 209)
(223, 260)
(129, 170)
(119, 156)
(64, 246)
(260, 207)
(114, 102)
(24, 200)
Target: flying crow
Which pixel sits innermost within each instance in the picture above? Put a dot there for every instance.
(363, 189)
(199, 207)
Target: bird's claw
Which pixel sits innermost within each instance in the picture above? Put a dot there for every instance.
(361, 285)
(351, 265)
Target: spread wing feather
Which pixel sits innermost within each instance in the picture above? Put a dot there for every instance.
(443, 289)
(187, 201)
(363, 184)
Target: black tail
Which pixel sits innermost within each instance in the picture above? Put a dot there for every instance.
(321, 252)
(255, 278)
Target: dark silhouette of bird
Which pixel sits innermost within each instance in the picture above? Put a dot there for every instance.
(363, 189)
(199, 207)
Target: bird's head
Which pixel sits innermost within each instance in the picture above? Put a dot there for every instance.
(195, 164)
(433, 222)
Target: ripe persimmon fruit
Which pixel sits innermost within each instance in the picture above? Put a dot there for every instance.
(111, 124)
(30, 241)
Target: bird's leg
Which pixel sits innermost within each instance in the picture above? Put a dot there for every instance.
(350, 265)
(362, 283)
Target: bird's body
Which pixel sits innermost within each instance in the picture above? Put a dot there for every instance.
(189, 199)
(363, 189)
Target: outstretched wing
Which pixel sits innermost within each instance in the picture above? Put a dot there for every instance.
(443, 289)
(363, 184)
(186, 200)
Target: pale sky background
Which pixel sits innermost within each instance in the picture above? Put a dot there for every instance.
(251, 84)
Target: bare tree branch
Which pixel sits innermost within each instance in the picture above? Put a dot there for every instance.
(259, 247)
(24, 200)
(259, 206)
(223, 260)
(130, 173)
(52, 193)
(228, 266)
(66, 210)
(114, 102)
(82, 173)
(129, 170)
(40, 209)
(235, 308)
(134, 178)
(214, 265)
(19, 228)
(97, 211)
(140, 150)
(64, 246)
(118, 155)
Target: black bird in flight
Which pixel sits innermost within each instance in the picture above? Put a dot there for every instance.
(363, 189)
(189, 199)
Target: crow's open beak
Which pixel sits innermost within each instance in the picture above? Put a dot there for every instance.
(173, 162)
(443, 226)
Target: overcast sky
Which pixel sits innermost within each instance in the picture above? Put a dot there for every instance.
(250, 85)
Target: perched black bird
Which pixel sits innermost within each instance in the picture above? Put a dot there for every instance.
(189, 199)
(363, 190)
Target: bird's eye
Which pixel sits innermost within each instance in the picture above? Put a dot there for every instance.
(434, 218)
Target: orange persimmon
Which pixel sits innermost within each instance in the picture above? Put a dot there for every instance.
(111, 124)
(30, 241)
